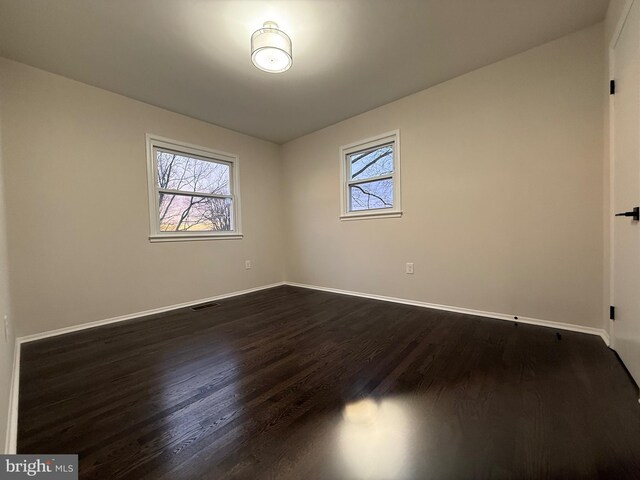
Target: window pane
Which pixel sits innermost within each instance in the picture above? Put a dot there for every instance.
(179, 172)
(371, 163)
(185, 213)
(369, 195)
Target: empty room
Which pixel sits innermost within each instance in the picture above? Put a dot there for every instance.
(319, 239)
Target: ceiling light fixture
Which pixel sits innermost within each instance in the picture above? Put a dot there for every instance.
(271, 49)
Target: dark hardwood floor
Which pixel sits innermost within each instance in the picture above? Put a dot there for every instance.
(291, 383)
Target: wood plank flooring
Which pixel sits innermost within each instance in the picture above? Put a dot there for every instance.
(291, 383)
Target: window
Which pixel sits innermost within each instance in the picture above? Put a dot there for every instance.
(193, 192)
(371, 177)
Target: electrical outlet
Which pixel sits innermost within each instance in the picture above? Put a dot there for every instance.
(410, 268)
(247, 264)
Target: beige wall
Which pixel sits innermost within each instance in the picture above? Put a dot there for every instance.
(614, 11)
(505, 161)
(6, 343)
(78, 209)
(501, 190)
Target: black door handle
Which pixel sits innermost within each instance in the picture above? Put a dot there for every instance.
(635, 213)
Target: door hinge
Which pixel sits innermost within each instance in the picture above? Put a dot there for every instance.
(612, 312)
(612, 87)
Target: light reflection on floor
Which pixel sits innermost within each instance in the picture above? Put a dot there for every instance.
(374, 439)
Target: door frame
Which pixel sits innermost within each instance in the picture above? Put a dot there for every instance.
(622, 20)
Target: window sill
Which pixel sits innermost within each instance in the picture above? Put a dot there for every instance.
(370, 215)
(191, 237)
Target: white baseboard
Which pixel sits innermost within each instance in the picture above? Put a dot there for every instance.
(131, 316)
(12, 417)
(499, 316)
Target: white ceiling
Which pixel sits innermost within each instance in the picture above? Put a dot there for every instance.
(192, 56)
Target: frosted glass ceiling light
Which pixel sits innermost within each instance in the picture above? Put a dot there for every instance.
(271, 49)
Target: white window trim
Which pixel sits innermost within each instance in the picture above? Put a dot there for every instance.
(378, 140)
(155, 235)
